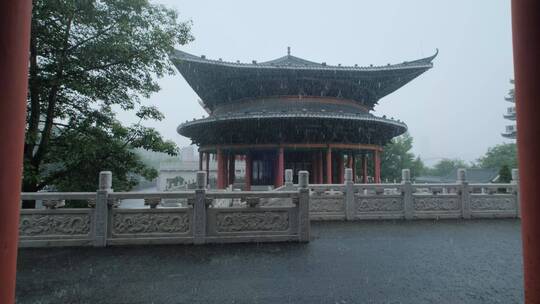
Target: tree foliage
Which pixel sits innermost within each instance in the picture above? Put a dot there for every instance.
(499, 156)
(505, 175)
(87, 57)
(397, 156)
(446, 166)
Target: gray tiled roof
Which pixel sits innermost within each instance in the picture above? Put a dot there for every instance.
(220, 82)
(290, 61)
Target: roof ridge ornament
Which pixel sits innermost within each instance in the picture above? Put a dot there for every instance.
(288, 51)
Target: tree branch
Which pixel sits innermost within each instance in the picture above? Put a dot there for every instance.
(35, 110)
(107, 65)
(53, 93)
(97, 35)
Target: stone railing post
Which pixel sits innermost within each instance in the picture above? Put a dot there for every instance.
(101, 211)
(464, 193)
(408, 203)
(288, 178)
(349, 194)
(199, 209)
(303, 206)
(515, 181)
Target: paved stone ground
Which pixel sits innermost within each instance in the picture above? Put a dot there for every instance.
(362, 262)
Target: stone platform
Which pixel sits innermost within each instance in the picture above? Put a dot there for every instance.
(450, 261)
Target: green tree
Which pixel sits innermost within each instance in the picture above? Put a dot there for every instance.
(505, 175)
(499, 156)
(87, 57)
(397, 156)
(446, 166)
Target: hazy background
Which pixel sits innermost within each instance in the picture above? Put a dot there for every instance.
(453, 111)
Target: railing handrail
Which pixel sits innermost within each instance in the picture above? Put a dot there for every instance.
(493, 185)
(156, 194)
(57, 195)
(259, 194)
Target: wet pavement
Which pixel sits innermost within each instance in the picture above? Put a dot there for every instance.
(476, 261)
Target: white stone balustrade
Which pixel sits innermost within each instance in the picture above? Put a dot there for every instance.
(197, 223)
(257, 216)
(407, 200)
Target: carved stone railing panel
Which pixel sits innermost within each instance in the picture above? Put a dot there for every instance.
(436, 203)
(147, 222)
(365, 204)
(327, 203)
(252, 221)
(54, 224)
(497, 202)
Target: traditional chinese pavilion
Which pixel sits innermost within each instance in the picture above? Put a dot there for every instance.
(292, 113)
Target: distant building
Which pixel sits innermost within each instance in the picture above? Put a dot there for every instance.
(182, 174)
(187, 154)
(511, 130)
(292, 113)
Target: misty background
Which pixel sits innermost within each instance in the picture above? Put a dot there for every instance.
(453, 110)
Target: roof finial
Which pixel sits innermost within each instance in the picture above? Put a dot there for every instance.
(288, 51)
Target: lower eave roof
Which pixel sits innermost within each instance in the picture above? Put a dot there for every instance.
(288, 116)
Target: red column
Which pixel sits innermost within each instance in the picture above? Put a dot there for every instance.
(231, 169)
(349, 161)
(320, 168)
(526, 40)
(377, 162)
(248, 173)
(353, 166)
(14, 44)
(207, 167)
(220, 169)
(364, 168)
(341, 168)
(329, 165)
(280, 170)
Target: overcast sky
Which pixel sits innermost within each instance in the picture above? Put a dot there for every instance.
(453, 110)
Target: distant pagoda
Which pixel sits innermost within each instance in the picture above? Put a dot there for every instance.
(511, 130)
(292, 113)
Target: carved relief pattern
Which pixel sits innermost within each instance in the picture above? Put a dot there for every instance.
(493, 203)
(436, 203)
(131, 223)
(326, 204)
(54, 224)
(199, 217)
(252, 221)
(379, 204)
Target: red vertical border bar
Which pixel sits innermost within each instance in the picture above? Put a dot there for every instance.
(526, 42)
(14, 45)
